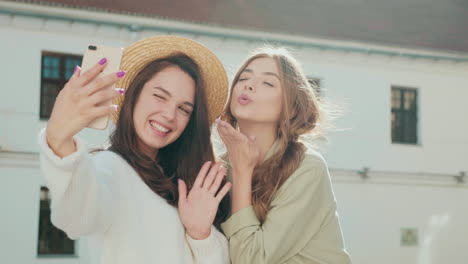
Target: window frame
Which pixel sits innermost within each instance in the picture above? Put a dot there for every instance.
(403, 134)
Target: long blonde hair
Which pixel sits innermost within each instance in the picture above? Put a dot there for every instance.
(299, 116)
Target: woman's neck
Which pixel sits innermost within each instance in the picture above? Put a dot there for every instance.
(265, 133)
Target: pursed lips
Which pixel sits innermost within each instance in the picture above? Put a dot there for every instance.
(244, 99)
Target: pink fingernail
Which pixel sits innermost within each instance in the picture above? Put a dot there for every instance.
(121, 74)
(120, 90)
(76, 69)
(102, 61)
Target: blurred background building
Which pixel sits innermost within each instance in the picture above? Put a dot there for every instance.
(398, 158)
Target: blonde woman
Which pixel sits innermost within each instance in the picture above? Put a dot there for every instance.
(283, 207)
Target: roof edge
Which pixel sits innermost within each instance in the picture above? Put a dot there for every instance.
(141, 22)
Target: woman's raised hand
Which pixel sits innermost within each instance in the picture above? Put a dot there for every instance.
(198, 209)
(78, 104)
(243, 151)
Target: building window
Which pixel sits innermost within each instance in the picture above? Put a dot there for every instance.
(56, 69)
(404, 115)
(52, 241)
(315, 84)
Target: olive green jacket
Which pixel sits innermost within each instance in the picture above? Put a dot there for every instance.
(302, 225)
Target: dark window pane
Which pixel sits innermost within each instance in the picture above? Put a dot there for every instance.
(52, 241)
(396, 134)
(45, 61)
(50, 73)
(396, 98)
(410, 99)
(46, 73)
(49, 88)
(55, 62)
(51, 67)
(47, 103)
(55, 74)
(68, 73)
(70, 64)
(56, 70)
(410, 126)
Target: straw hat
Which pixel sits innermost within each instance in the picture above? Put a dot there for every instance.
(141, 53)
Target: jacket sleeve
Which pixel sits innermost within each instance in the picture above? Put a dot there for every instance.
(303, 213)
(212, 250)
(81, 189)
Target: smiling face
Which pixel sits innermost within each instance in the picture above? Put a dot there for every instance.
(163, 109)
(258, 93)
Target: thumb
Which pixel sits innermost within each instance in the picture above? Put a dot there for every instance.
(182, 190)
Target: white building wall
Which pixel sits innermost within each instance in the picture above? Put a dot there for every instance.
(408, 186)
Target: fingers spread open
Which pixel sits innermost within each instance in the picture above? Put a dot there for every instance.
(211, 176)
(223, 191)
(202, 174)
(217, 182)
(182, 189)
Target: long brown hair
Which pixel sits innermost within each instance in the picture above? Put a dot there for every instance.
(299, 116)
(181, 159)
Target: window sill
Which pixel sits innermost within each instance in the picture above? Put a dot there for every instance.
(57, 256)
(406, 144)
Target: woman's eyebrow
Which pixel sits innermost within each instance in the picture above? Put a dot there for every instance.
(163, 90)
(170, 95)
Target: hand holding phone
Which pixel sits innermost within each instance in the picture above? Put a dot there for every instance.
(86, 97)
(92, 55)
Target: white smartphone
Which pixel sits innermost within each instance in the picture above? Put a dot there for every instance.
(92, 55)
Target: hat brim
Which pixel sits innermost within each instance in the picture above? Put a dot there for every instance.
(141, 53)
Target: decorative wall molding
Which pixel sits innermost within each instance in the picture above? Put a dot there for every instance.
(19, 159)
(31, 160)
(369, 176)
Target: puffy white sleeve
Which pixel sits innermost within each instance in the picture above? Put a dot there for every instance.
(212, 250)
(82, 188)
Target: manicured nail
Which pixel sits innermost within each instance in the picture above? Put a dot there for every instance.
(102, 61)
(116, 107)
(121, 74)
(77, 68)
(120, 90)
